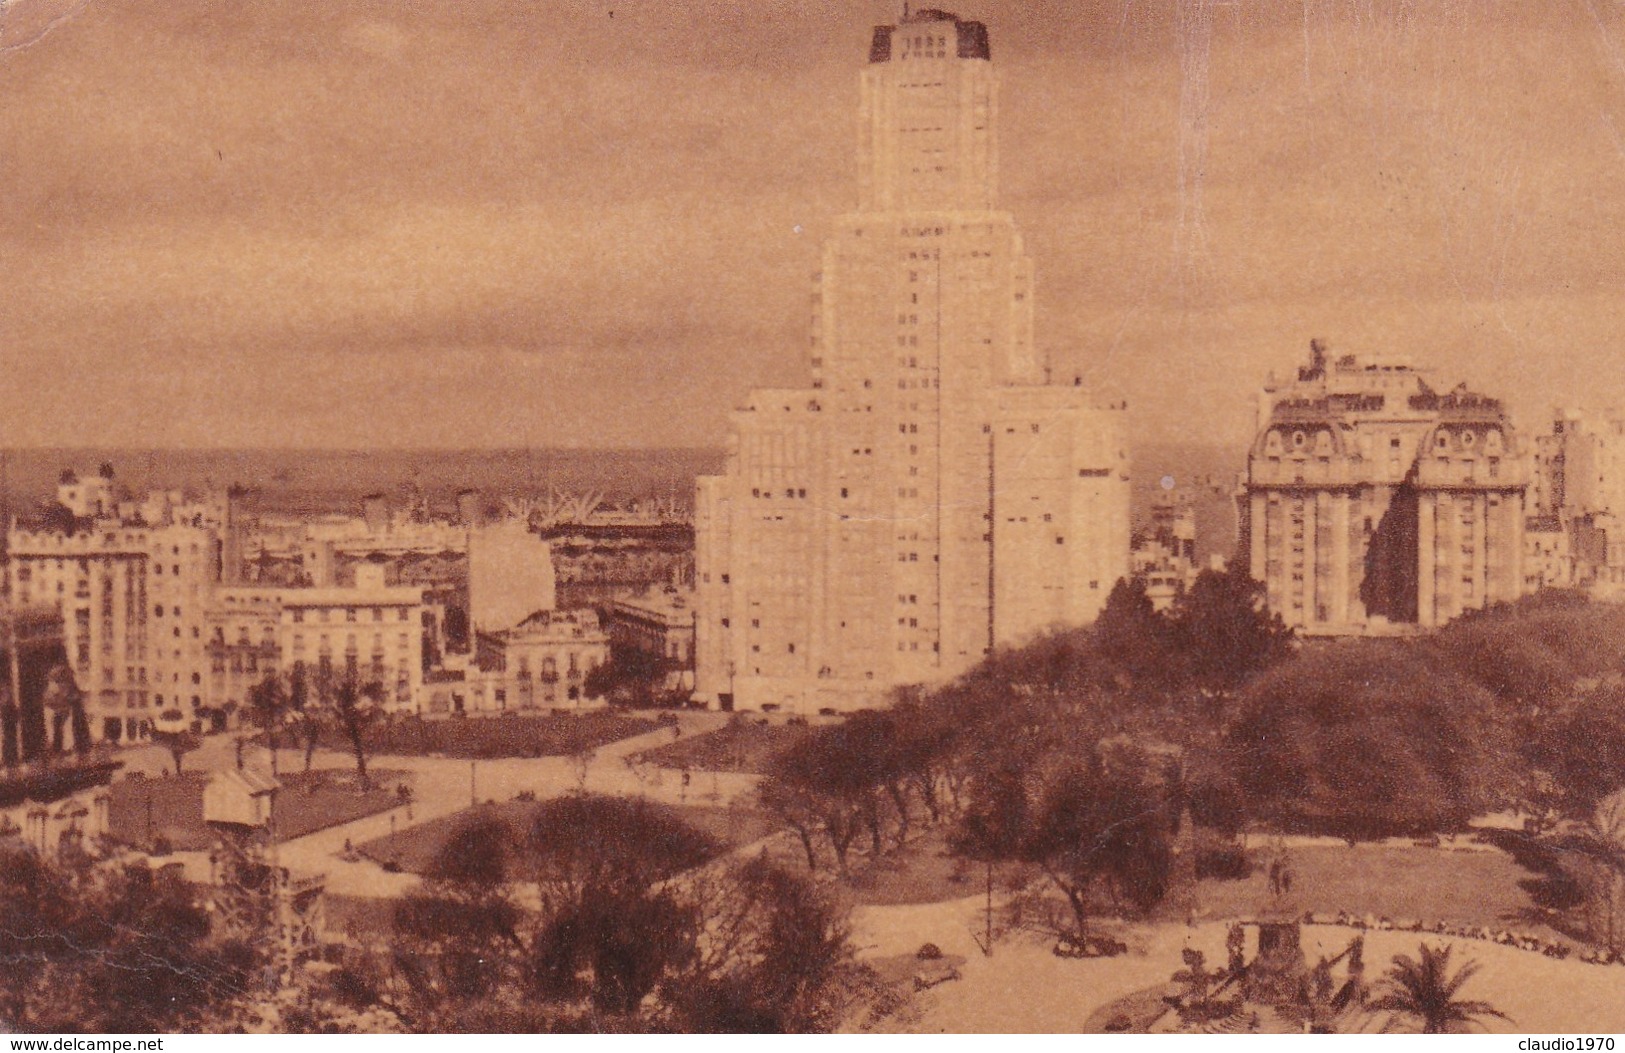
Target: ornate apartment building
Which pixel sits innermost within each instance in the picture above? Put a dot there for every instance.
(931, 495)
(1374, 503)
(132, 598)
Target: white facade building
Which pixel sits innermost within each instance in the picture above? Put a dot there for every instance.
(931, 495)
(132, 600)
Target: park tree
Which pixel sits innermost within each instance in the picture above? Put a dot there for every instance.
(836, 769)
(353, 706)
(773, 956)
(111, 948)
(458, 938)
(306, 717)
(1225, 632)
(1584, 864)
(1497, 654)
(797, 807)
(612, 927)
(268, 710)
(632, 676)
(1102, 836)
(1367, 740)
(1425, 988)
(628, 929)
(1134, 641)
(991, 829)
(179, 742)
(1580, 745)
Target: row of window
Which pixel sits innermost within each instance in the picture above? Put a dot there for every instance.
(350, 614)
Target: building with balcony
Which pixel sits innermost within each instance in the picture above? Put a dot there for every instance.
(1374, 503)
(659, 625)
(542, 663)
(132, 598)
(371, 631)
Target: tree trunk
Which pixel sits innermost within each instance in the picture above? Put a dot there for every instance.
(841, 828)
(807, 845)
(360, 756)
(1074, 898)
(871, 815)
(899, 796)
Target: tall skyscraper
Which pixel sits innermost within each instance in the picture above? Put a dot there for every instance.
(931, 495)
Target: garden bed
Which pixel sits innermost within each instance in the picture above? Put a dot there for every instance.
(414, 849)
(740, 746)
(152, 813)
(508, 735)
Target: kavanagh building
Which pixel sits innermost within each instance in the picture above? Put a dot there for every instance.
(931, 494)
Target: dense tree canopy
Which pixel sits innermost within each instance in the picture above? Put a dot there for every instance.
(1366, 740)
(117, 948)
(606, 915)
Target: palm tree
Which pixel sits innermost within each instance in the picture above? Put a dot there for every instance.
(267, 708)
(1426, 989)
(354, 706)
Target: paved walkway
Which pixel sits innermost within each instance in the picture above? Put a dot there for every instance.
(441, 786)
(444, 786)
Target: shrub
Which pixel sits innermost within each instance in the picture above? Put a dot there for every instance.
(1224, 863)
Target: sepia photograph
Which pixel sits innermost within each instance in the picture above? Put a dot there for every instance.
(701, 517)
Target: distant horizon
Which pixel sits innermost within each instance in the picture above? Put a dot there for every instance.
(406, 450)
(592, 224)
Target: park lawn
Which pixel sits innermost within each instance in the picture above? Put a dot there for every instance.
(1477, 888)
(739, 746)
(314, 801)
(307, 802)
(509, 735)
(413, 850)
(922, 872)
(362, 918)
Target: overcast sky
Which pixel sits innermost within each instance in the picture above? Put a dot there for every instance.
(592, 222)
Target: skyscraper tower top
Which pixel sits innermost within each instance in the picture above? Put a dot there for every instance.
(930, 100)
(923, 34)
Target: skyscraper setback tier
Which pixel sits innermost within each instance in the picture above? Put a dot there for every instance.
(931, 495)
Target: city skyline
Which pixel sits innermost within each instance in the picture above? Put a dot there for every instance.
(505, 226)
